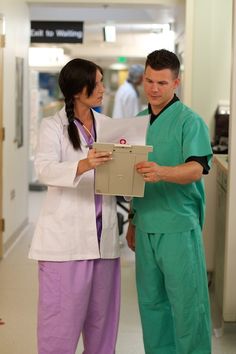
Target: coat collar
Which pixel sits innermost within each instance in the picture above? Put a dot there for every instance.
(63, 117)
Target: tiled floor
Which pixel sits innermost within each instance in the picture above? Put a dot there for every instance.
(18, 301)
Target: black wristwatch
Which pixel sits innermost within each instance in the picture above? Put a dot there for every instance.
(131, 215)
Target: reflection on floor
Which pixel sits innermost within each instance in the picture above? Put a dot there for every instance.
(18, 300)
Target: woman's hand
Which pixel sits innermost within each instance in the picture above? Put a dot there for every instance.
(93, 160)
(98, 158)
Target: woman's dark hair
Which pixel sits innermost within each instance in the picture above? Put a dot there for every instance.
(73, 78)
(163, 59)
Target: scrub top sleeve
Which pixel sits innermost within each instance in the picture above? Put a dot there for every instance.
(196, 140)
(202, 160)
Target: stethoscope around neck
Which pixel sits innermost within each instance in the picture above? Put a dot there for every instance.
(92, 137)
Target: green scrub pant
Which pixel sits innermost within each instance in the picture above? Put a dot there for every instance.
(173, 293)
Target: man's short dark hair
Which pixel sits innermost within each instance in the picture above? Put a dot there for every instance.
(163, 59)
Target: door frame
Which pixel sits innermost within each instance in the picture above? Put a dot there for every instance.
(2, 45)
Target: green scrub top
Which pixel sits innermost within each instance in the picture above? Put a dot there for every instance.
(177, 134)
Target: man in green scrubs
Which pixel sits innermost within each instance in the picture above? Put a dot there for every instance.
(166, 226)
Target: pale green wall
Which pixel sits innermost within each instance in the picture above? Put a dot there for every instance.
(211, 56)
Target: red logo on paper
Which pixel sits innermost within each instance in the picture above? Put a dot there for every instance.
(123, 141)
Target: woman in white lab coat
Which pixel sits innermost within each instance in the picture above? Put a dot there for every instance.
(76, 237)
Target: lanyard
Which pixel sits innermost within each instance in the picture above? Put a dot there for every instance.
(84, 131)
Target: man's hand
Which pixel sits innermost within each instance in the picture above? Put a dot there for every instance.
(149, 171)
(188, 172)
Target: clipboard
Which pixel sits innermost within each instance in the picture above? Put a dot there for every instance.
(118, 176)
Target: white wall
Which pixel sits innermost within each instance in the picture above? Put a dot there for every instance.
(15, 160)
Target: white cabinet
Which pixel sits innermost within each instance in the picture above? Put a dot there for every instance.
(219, 260)
(209, 224)
(225, 247)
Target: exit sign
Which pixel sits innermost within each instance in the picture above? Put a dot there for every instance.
(122, 60)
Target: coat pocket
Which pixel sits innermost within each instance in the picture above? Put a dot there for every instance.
(53, 200)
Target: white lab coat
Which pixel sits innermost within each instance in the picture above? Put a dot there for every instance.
(66, 229)
(126, 103)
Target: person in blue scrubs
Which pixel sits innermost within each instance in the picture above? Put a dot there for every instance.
(165, 228)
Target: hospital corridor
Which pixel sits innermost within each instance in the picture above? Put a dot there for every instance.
(18, 300)
(75, 62)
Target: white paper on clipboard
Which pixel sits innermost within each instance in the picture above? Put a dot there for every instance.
(119, 176)
(130, 131)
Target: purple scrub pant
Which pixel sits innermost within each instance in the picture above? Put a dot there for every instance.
(78, 297)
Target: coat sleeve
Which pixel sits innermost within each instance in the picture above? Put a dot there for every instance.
(50, 168)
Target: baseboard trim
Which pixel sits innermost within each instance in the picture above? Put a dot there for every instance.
(13, 239)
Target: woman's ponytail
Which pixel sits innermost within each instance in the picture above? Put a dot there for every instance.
(72, 128)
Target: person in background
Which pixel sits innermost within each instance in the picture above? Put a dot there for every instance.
(98, 109)
(127, 100)
(165, 229)
(76, 240)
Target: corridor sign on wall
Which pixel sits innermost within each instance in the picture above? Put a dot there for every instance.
(56, 32)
